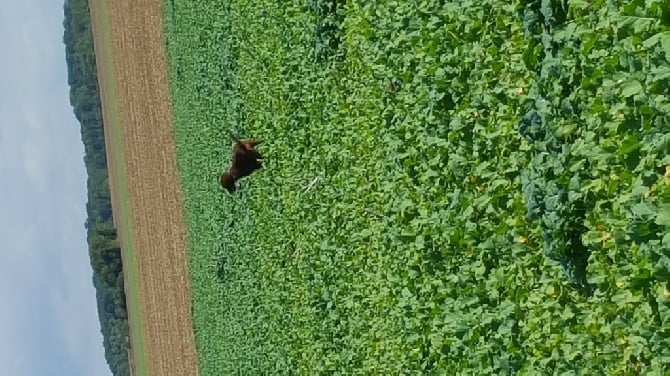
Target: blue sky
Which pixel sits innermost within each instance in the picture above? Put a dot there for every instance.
(48, 320)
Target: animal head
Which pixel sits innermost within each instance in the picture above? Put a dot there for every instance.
(228, 182)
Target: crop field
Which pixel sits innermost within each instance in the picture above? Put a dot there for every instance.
(144, 185)
(472, 187)
(113, 147)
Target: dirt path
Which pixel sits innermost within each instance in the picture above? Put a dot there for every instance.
(153, 192)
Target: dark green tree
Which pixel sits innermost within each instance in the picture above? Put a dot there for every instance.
(103, 246)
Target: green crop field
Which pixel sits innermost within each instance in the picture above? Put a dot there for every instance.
(472, 187)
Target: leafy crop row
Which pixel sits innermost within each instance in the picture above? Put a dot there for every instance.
(476, 187)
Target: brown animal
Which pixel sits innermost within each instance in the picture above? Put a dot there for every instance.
(246, 159)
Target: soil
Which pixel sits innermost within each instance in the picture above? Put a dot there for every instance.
(153, 192)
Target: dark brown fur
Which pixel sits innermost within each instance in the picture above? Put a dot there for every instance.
(246, 160)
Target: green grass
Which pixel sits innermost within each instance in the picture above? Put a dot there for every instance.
(130, 269)
(489, 197)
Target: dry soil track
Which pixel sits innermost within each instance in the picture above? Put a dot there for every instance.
(156, 217)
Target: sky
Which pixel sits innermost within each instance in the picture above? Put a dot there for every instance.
(48, 315)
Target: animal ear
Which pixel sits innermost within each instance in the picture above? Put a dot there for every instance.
(235, 138)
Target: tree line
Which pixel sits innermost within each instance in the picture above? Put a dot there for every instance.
(103, 246)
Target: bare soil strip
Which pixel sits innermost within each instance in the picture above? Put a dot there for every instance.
(153, 192)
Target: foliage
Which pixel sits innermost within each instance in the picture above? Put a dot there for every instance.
(455, 151)
(103, 247)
